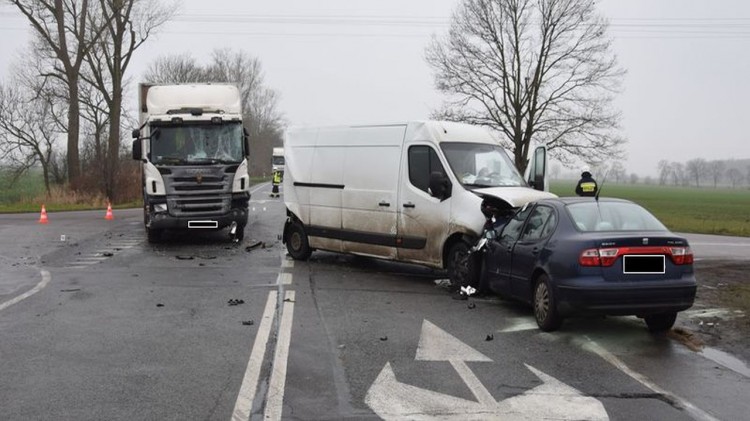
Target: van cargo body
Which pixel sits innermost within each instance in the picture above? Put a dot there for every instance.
(408, 192)
(193, 148)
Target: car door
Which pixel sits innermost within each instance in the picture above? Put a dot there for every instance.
(500, 253)
(422, 217)
(529, 249)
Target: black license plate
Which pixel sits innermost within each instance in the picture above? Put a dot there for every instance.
(643, 264)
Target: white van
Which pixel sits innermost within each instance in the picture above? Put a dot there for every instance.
(408, 192)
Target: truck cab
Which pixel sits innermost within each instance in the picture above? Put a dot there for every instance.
(193, 150)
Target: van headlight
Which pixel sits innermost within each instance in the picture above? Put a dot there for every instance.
(160, 207)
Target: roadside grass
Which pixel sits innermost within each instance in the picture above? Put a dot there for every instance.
(28, 195)
(702, 210)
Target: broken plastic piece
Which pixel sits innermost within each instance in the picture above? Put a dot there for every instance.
(468, 290)
(248, 323)
(489, 337)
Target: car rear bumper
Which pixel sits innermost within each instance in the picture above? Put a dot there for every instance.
(632, 298)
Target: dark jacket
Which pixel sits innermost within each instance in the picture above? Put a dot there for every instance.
(586, 185)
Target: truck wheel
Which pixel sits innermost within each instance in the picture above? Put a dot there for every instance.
(154, 235)
(545, 306)
(296, 242)
(462, 266)
(239, 235)
(660, 322)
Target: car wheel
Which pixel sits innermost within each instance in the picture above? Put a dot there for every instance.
(296, 242)
(545, 305)
(660, 322)
(462, 266)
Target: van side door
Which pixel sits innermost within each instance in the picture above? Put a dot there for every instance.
(422, 217)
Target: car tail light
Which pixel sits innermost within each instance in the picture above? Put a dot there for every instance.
(589, 257)
(682, 255)
(607, 257)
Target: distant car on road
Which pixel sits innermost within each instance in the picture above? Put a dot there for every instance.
(567, 256)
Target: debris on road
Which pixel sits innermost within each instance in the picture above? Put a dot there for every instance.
(70, 290)
(469, 291)
(235, 302)
(287, 300)
(248, 323)
(489, 337)
(107, 254)
(160, 305)
(443, 283)
(383, 338)
(471, 306)
(181, 257)
(254, 244)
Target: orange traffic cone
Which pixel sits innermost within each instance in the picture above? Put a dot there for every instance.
(43, 216)
(109, 215)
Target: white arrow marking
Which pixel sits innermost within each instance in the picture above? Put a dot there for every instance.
(393, 400)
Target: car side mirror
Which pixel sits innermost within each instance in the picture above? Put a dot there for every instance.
(440, 185)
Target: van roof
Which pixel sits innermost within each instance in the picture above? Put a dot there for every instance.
(440, 131)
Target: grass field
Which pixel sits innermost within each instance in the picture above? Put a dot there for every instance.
(683, 209)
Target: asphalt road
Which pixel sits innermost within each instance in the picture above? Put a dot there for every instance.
(102, 325)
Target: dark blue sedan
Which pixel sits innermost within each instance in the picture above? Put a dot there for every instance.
(567, 256)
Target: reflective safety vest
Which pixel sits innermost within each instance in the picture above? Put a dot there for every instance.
(277, 177)
(588, 187)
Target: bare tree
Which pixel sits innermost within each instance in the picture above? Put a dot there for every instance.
(177, 68)
(665, 168)
(128, 24)
(63, 27)
(696, 169)
(678, 174)
(617, 172)
(735, 177)
(634, 178)
(539, 70)
(28, 131)
(716, 170)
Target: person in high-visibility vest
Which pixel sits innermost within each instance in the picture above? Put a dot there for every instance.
(586, 185)
(275, 183)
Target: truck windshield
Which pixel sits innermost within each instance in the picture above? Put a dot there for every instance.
(278, 160)
(196, 144)
(481, 165)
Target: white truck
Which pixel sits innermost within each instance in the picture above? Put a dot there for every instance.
(277, 160)
(193, 149)
(409, 192)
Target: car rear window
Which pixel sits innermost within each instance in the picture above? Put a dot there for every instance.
(613, 216)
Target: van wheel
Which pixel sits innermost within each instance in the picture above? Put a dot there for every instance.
(660, 322)
(462, 266)
(296, 242)
(545, 306)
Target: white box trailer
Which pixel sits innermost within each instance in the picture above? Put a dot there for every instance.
(408, 192)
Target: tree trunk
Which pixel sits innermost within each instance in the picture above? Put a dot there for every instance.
(74, 160)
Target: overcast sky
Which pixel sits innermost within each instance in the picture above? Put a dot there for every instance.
(362, 61)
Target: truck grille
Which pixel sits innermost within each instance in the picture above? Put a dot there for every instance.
(198, 191)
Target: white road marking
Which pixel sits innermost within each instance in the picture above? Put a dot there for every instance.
(46, 277)
(260, 187)
(691, 409)
(245, 398)
(284, 279)
(393, 400)
(275, 399)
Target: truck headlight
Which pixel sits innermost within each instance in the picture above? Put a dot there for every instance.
(160, 207)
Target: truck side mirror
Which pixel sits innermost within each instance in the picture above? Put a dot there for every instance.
(246, 141)
(136, 133)
(137, 150)
(440, 186)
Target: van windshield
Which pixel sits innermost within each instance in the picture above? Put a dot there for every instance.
(479, 165)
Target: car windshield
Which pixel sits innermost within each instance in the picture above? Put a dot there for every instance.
(613, 216)
(193, 144)
(478, 165)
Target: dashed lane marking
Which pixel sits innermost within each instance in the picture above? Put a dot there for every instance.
(284, 279)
